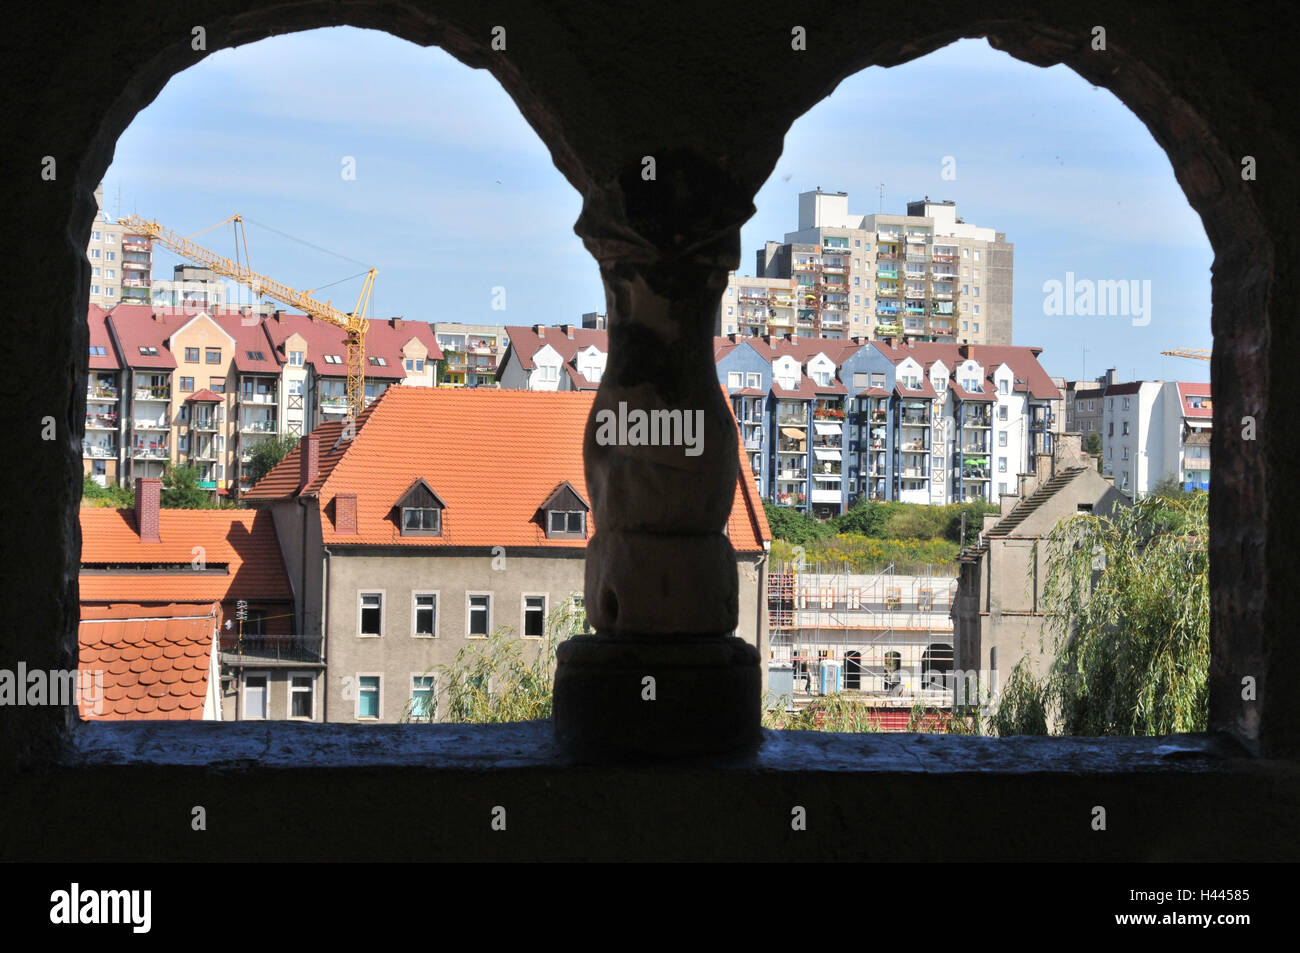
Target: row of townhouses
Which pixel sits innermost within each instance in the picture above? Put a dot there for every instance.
(925, 276)
(370, 559)
(1149, 431)
(175, 386)
(825, 423)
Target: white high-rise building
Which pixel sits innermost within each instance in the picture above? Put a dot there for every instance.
(121, 263)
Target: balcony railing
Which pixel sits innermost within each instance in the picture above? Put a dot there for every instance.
(204, 423)
(153, 393)
(151, 453)
(256, 649)
(979, 420)
(97, 451)
(257, 426)
(101, 421)
(101, 393)
(256, 398)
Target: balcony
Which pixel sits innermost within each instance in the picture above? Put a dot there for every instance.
(981, 421)
(153, 393)
(915, 446)
(143, 246)
(98, 451)
(204, 423)
(792, 475)
(829, 413)
(916, 420)
(261, 649)
(257, 397)
(101, 421)
(262, 426)
(943, 258)
(150, 425)
(135, 265)
(101, 394)
(151, 452)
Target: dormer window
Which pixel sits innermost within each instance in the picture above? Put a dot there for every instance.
(565, 513)
(419, 511)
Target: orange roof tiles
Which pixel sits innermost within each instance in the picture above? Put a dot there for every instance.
(493, 456)
(245, 540)
(150, 662)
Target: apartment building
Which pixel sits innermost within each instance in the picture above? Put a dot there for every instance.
(559, 358)
(919, 422)
(927, 276)
(179, 386)
(471, 353)
(191, 288)
(121, 262)
(1156, 431)
(401, 557)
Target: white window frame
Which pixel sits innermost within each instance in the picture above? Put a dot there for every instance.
(297, 358)
(523, 614)
(383, 609)
(243, 689)
(470, 595)
(379, 705)
(437, 610)
(753, 380)
(433, 697)
(288, 711)
(736, 379)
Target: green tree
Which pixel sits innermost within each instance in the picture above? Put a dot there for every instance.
(1127, 599)
(867, 518)
(1092, 442)
(795, 527)
(266, 454)
(117, 497)
(181, 490)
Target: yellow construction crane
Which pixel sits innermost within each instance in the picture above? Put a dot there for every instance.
(1191, 353)
(355, 324)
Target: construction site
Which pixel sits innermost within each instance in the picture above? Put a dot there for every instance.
(884, 639)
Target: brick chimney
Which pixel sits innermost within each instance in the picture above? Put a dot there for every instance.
(345, 513)
(568, 330)
(309, 461)
(541, 330)
(148, 500)
(397, 323)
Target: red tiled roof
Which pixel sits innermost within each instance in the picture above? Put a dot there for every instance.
(748, 392)
(203, 396)
(155, 662)
(492, 487)
(245, 540)
(525, 342)
(250, 340)
(97, 323)
(1023, 361)
(579, 381)
(1194, 389)
(806, 390)
(135, 326)
(925, 390)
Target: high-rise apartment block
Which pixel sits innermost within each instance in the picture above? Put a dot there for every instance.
(924, 276)
(121, 262)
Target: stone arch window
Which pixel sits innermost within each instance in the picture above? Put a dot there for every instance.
(662, 245)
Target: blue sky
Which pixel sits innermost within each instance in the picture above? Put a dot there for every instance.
(454, 195)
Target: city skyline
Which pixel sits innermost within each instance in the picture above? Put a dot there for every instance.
(465, 200)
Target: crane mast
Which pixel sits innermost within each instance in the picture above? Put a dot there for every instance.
(355, 324)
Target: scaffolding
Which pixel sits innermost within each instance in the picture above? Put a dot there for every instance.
(886, 638)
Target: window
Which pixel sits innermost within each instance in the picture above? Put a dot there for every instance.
(252, 356)
(378, 362)
(333, 359)
(965, 289)
(754, 380)
(1002, 489)
(110, 256)
(97, 350)
(424, 614)
(1002, 464)
(410, 363)
(108, 237)
(422, 698)
(479, 612)
(255, 693)
(94, 272)
(566, 522)
(368, 696)
(1002, 412)
(965, 253)
(212, 355)
(1110, 429)
(302, 696)
(977, 289)
(924, 600)
(421, 521)
(1124, 431)
(1110, 403)
(187, 384)
(736, 379)
(191, 355)
(1126, 404)
(296, 358)
(1123, 454)
(371, 608)
(94, 236)
(977, 258)
(1084, 508)
(94, 253)
(295, 388)
(941, 384)
(110, 273)
(1004, 386)
(857, 283)
(534, 616)
(148, 351)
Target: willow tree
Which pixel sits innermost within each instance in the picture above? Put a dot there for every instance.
(1127, 602)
